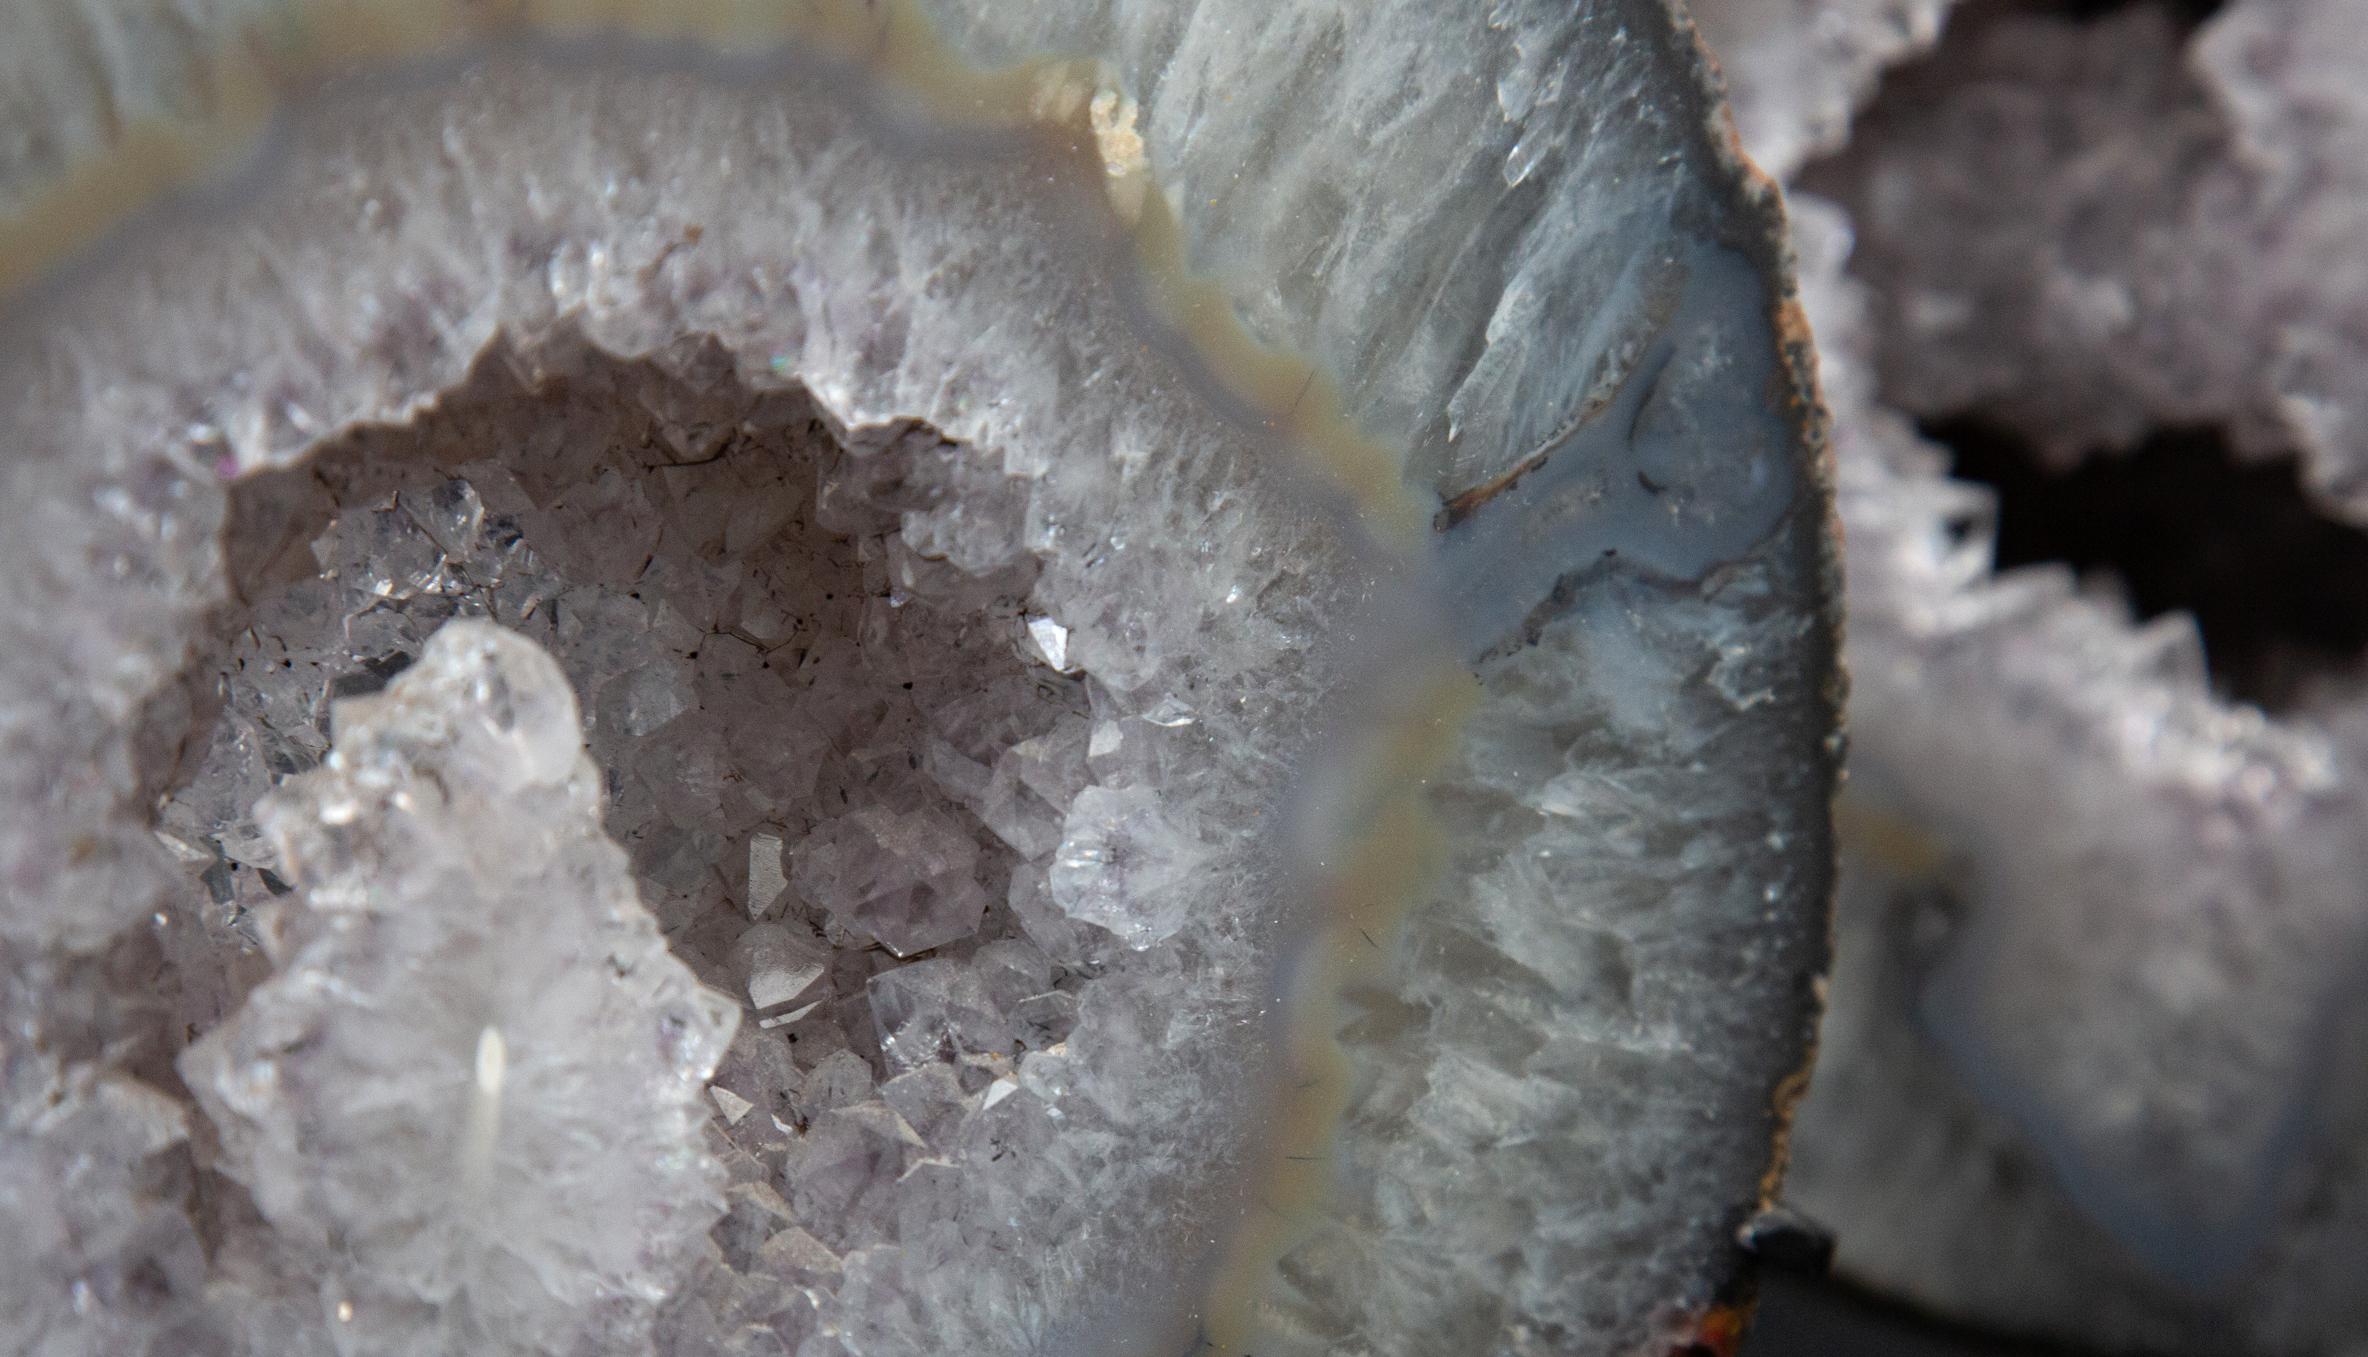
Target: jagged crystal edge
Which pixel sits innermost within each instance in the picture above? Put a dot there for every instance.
(469, 1099)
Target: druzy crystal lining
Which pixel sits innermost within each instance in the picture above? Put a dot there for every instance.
(1034, 702)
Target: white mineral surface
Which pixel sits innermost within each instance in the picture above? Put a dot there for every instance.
(2088, 230)
(653, 703)
(464, 978)
(1797, 70)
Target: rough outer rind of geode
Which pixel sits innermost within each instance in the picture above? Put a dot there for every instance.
(1581, 351)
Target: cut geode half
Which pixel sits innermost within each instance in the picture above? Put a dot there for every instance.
(1215, 850)
(2090, 1069)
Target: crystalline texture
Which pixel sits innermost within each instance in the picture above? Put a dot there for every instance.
(1125, 556)
(1121, 863)
(780, 962)
(2100, 949)
(469, 1095)
(1796, 70)
(100, 1256)
(2148, 1019)
(906, 880)
(2087, 230)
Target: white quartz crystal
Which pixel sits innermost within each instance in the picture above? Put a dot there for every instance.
(468, 1099)
(781, 963)
(1051, 640)
(1797, 70)
(100, 1256)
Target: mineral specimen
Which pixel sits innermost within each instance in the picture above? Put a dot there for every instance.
(2090, 230)
(467, 984)
(1212, 620)
(2148, 1026)
(2089, 1069)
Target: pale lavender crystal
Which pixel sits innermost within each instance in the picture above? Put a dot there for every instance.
(905, 879)
(1124, 864)
(934, 1008)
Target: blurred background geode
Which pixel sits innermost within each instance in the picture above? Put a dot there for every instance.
(2091, 300)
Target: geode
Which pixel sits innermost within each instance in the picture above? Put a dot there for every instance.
(2090, 1066)
(856, 678)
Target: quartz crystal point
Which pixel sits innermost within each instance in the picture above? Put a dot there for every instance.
(469, 1097)
(1218, 613)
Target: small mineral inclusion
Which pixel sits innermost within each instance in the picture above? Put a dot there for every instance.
(1157, 622)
